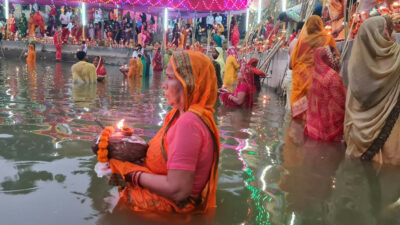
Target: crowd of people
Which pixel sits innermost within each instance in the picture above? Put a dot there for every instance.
(179, 172)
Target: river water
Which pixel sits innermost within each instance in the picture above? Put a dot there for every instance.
(269, 172)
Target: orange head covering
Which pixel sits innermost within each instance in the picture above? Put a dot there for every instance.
(312, 36)
(314, 25)
(196, 73)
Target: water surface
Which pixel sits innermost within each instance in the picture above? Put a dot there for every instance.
(269, 173)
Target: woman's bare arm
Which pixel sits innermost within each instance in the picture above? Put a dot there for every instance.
(176, 186)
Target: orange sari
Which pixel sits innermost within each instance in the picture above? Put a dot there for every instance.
(200, 88)
(31, 58)
(312, 36)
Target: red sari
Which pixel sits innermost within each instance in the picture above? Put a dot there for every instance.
(100, 69)
(258, 74)
(58, 44)
(157, 61)
(247, 86)
(235, 36)
(65, 35)
(38, 21)
(326, 98)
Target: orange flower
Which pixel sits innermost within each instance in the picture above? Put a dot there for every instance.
(103, 144)
(110, 129)
(103, 139)
(106, 133)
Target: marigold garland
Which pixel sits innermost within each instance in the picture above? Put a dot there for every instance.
(102, 153)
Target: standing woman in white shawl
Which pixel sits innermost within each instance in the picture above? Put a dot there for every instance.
(372, 127)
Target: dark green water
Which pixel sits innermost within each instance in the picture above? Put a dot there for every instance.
(46, 165)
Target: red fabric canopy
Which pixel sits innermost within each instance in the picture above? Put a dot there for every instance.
(153, 5)
(198, 5)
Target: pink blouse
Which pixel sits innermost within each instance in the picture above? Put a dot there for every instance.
(190, 147)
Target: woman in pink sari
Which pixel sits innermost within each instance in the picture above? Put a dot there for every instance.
(326, 99)
(244, 92)
(57, 38)
(235, 36)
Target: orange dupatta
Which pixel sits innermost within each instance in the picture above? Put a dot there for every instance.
(196, 73)
(312, 36)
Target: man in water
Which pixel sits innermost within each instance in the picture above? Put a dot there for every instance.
(82, 71)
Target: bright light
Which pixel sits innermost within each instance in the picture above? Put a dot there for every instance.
(83, 13)
(165, 19)
(293, 218)
(259, 11)
(247, 19)
(120, 124)
(264, 185)
(284, 5)
(6, 7)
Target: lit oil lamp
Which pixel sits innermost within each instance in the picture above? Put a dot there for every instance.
(328, 28)
(126, 131)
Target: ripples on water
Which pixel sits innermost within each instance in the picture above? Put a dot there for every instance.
(46, 165)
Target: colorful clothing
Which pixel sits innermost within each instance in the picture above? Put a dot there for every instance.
(133, 67)
(231, 67)
(326, 98)
(373, 92)
(31, 58)
(246, 87)
(144, 67)
(200, 98)
(312, 36)
(65, 34)
(185, 151)
(57, 38)
(337, 17)
(221, 60)
(258, 74)
(100, 69)
(235, 35)
(23, 25)
(84, 72)
(39, 22)
(218, 40)
(157, 61)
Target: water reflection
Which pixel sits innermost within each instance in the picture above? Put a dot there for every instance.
(269, 173)
(309, 174)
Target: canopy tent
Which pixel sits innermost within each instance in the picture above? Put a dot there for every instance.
(176, 8)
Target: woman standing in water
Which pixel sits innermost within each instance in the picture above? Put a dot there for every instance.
(157, 59)
(31, 57)
(179, 174)
(372, 127)
(57, 38)
(326, 98)
(312, 36)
